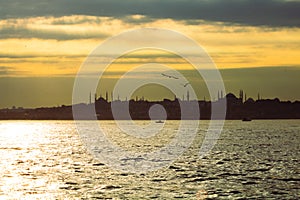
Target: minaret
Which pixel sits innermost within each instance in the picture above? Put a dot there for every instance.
(90, 100)
(241, 95)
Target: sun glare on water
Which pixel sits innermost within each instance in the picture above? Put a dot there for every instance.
(21, 147)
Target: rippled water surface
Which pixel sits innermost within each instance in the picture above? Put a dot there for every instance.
(252, 160)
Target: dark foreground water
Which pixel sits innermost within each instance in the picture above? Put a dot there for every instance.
(252, 160)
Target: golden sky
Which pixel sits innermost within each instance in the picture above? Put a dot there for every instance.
(255, 44)
(56, 46)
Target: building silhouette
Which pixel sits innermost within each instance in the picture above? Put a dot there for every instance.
(237, 108)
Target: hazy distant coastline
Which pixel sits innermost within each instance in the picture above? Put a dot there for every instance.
(237, 109)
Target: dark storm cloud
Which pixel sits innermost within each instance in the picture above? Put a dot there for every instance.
(248, 12)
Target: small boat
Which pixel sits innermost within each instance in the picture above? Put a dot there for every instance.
(159, 122)
(246, 119)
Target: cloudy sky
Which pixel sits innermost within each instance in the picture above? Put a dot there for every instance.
(255, 43)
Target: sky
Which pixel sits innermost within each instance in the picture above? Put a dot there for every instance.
(255, 44)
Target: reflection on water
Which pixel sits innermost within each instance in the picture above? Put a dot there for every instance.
(46, 160)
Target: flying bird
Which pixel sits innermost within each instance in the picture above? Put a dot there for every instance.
(186, 84)
(169, 76)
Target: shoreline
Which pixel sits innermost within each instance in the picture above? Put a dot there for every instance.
(281, 119)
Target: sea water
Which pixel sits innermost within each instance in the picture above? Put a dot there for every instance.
(48, 160)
